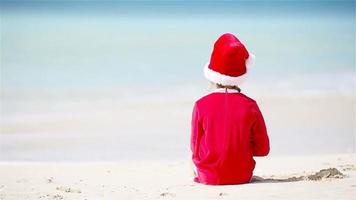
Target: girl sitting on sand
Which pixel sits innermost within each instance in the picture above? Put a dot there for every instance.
(228, 128)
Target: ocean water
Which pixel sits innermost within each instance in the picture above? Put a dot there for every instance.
(114, 80)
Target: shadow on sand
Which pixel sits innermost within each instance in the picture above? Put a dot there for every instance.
(322, 174)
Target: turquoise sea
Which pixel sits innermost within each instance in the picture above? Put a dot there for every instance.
(86, 45)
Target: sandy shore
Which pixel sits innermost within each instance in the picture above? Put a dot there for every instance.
(173, 180)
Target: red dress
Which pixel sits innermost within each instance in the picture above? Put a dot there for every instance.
(228, 129)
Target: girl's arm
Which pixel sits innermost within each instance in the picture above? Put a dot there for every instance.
(260, 140)
(196, 133)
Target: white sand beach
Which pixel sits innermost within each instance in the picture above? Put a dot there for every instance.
(101, 153)
(173, 180)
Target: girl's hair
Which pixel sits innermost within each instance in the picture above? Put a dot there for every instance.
(234, 87)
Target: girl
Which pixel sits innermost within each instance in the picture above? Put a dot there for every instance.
(227, 126)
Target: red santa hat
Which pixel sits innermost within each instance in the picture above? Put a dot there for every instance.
(229, 61)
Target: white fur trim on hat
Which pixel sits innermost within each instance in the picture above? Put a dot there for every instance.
(222, 79)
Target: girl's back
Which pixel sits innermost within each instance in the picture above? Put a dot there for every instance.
(224, 123)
